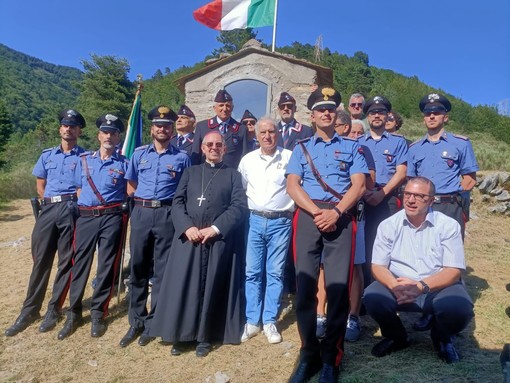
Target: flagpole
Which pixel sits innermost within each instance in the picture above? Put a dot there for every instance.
(274, 24)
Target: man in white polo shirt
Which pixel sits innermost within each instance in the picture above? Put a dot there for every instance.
(263, 173)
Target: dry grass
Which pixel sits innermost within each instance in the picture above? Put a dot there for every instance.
(34, 357)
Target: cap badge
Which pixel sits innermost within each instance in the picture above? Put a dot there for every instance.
(433, 97)
(162, 110)
(110, 118)
(378, 99)
(71, 113)
(327, 93)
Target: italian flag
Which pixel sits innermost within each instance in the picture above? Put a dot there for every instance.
(225, 15)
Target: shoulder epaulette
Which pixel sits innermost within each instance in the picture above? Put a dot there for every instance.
(48, 150)
(349, 138)
(398, 135)
(86, 153)
(461, 137)
(141, 147)
(415, 142)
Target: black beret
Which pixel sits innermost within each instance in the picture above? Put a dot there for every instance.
(248, 114)
(323, 97)
(223, 96)
(110, 123)
(162, 115)
(71, 117)
(286, 98)
(185, 111)
(377, 103)
(435, 102)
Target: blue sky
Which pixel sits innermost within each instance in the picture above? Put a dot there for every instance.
(460, 46)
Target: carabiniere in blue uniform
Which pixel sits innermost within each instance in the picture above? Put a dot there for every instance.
(154, 172)
(101, 223)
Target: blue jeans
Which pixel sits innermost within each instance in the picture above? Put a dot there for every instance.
(268, 242)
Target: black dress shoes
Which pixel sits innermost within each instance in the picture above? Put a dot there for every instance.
(70, 326)
(448, 353)
(176, 350)
(203, 349)
(50, 321)
(22, 322)
(329, 374)
(424, 323)
(98, 327)
(305, 370)
(145, 339)
(130, 336)
(387, 346)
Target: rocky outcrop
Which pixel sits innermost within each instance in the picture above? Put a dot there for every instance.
(495, 190)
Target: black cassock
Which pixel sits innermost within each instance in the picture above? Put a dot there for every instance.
(201, 291)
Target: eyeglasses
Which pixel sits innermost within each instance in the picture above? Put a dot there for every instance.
(435, 113)
(417, 196)
(390, 118)
(218, 145)
(286, 106)
(356, 105)
(249, 122)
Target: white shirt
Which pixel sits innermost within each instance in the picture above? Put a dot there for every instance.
(264, 180)
(420, 252)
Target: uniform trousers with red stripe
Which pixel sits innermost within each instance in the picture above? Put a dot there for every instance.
(337, 249)
(104, 231)
(53, 231)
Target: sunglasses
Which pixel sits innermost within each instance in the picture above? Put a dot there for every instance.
(390, 118)
(286, 106)
(379, 112)
(214, 144)
(356, 105)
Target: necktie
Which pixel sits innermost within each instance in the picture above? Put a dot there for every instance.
(223, 128)
(285, 134)
(180, 141)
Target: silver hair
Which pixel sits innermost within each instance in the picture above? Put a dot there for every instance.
(359, 122)
(269, 119)
(357, 95)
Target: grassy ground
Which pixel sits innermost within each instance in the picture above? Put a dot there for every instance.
(34, 357)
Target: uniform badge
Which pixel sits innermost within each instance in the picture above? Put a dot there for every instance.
(170, 168)
(337, 154)
(449, 162)
(386, 151)
(360, 150)
(343, 166)
(72, 165)
(445, 154)
(235, 140)
(389, 158)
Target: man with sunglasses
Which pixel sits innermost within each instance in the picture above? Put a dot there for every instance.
(446, 159)
(356, 104)
(290, 130)
(184, 127)
(153, 175)
(417, 263)
(325, 178)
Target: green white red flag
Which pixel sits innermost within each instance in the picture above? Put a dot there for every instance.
(225, 15)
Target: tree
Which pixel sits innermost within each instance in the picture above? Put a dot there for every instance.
(234, 40)
(105, 89)
(6, 128)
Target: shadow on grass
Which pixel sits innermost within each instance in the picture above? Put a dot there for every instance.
(7, 213)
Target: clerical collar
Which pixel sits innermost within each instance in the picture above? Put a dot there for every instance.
(213, 165)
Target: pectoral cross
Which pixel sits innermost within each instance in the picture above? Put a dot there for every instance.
(200, 199)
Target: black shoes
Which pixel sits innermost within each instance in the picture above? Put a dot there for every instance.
(70, 326)
(387, 346)
(145, 339)
(424, 323)
(176, 350)
(50, 321)
(304, 370)
(329, 374)
(21, 324)
(203, 349)
(98, 328)
(448, 353)
(130, 336)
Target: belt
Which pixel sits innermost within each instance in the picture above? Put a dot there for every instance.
(153, 203)
(273, 214)
(447, 198)
(97, 211)
(58, 199)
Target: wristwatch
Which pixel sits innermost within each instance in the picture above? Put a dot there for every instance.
(426, 288)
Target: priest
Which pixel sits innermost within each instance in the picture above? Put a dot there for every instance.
(201, 291)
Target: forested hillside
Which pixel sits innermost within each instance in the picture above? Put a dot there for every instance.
(30, 87)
